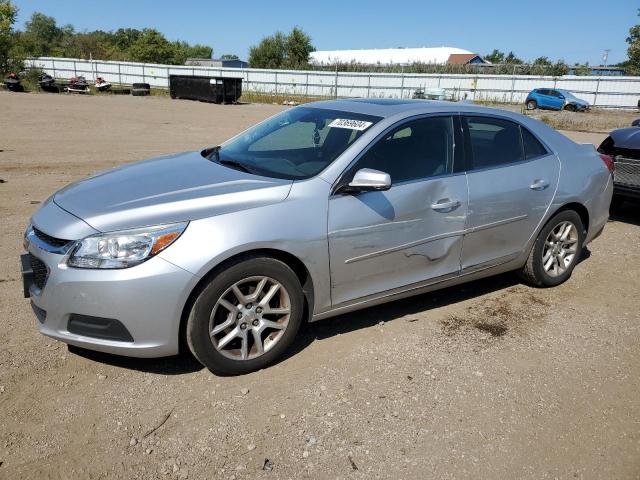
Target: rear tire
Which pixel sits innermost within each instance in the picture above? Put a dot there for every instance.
(235, 327)
(532, 105)
(553, 258)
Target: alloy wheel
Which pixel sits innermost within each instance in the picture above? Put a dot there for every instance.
(249, 318)
(560, 248)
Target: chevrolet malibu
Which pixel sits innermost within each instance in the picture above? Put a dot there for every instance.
(320, 210)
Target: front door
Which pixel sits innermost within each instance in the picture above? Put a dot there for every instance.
(411, 233)
(556, 100)
(512, 180)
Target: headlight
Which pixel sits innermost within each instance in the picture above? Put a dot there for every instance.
(125, 248)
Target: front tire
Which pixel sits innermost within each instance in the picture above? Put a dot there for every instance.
(246, 317)
(555, 252)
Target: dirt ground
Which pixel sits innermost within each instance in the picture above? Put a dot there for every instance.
(489, 380)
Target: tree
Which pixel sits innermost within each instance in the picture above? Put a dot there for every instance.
(542, 61)
(123, 38)
(8, 13)
(298, 47)
(511, 59)
(182, 51)
(282, 51)
(495, 57)
(633, 64)
(151, 47)
(41, 36)
(269, 53)
(558, 69)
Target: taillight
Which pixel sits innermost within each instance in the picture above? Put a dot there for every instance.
(608, 161)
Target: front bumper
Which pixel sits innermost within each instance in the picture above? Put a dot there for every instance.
(146, 299)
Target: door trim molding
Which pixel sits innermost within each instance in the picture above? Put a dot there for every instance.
(415, 243)
(433, 238)
(497, 223)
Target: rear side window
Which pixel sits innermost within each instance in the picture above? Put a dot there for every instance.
(532, 147)
(494, 142)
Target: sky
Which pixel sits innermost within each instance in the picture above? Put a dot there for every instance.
(572, 30)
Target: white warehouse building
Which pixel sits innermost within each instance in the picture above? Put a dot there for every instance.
(398, 56)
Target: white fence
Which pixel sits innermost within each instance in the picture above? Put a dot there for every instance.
(605, 91)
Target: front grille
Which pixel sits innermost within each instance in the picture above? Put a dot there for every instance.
(49, 240)
(627, 171)
(39, 271)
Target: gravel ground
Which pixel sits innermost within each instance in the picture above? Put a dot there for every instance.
(597, 120)
(489, 380)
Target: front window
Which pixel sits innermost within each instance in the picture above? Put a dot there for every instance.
(416, 150)
(296, 144)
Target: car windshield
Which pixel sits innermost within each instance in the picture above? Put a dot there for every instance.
(296, 144)
(568, 94)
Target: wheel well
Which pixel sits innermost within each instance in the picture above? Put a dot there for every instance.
(580, 210)
(292, 261)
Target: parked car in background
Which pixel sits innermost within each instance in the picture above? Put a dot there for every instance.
(320, 210)
(555, 99)
(623, 145)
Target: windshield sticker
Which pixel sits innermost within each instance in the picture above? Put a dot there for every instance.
(350, 124)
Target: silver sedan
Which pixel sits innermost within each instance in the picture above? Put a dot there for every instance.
(320, 210)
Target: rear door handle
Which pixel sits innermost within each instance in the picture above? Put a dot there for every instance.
(445, 204)
(539, 185)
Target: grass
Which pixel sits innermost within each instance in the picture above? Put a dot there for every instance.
(261, 97)
(595, 121)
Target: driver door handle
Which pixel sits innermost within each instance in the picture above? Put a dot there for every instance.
(539, 184)
(445, 204)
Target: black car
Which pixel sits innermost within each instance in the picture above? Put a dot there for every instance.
(623, 145)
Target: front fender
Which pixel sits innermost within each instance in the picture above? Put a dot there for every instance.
(296, 226)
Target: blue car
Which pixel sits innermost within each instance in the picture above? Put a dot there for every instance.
(555, 99)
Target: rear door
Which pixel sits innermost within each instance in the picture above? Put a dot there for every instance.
(411, 233)
(512, 179)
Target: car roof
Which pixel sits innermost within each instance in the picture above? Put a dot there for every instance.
(389, 107)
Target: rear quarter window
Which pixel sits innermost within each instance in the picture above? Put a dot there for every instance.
(532, 146)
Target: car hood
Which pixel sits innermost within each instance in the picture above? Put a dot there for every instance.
(626, 138)
(577, 101)
(169, 189)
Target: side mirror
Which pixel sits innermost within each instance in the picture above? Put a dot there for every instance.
(561, 97)
(369, 180)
